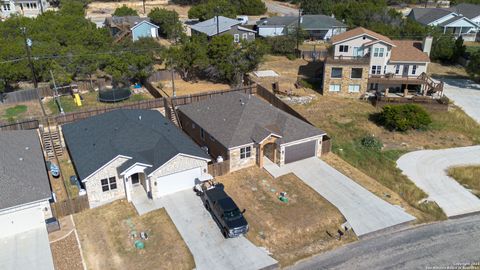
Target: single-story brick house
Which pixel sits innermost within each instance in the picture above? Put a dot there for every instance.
(244, 129)
(121, 151)
(24, 202)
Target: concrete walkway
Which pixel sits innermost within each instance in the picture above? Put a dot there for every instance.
(209, 248)
(466, 94)
(364, 211)
(427, 169)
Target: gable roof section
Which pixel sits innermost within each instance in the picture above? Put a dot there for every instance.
(358, 32)
(428, 15)
(309, 22)
(467, 10)
(408, 51)
(236, 119)
(458, 18)
(23, 173)
(209, 27)
(144, 135)
(277, 21)
(144, 22)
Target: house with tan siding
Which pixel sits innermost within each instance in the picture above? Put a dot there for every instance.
(362, 60)
(119, 153)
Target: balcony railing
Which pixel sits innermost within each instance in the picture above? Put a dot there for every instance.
(363, 60)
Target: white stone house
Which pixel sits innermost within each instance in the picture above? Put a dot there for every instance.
(245, 130)
(119, 152)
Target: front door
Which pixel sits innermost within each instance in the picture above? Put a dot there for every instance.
(405, 70)
(135, 179)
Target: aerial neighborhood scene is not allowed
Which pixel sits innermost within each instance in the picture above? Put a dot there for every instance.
(239, 134)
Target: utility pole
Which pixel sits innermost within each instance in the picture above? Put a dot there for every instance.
(218, 26)
(144, 7)
(298, 28)
(28, 44)
(57, 97)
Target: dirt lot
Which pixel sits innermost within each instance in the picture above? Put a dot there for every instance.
(348, 120)
(469, 177)
(290, 231)
(188, 88)
(289, 71)
(12, 112)
(104, 9)
(105, 235)
(66, 253)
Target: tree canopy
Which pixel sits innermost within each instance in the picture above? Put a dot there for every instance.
(168, 21)
(228, 8)
(125, 11)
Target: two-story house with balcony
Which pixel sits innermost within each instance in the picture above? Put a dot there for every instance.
(362, 60)
(27, 8)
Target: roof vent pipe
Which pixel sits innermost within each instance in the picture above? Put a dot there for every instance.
(139, 117)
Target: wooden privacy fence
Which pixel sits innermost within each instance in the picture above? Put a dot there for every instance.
(20, 125)
(70, 206)
(187, 99)
(219, 169)
(26, 95)
(326, 144)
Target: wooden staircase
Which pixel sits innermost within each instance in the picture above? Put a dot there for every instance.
(432, 87)
(52, 142)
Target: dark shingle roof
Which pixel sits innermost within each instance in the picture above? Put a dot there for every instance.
(428, 15)
(309, 22)
(449, 21)
(236, 119)
(23, 174)
(144, 135)
(467, 10)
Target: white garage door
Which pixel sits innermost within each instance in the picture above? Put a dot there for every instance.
(21, 221)
(178, 181)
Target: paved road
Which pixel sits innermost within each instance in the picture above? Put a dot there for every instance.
(276, 7)
(466, 94)
(203, 237)
(364, 211)
(440, 244)
(427, 169)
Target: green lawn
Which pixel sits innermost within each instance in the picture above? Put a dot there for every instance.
(13, 113)
(347, 121)
(90, 101)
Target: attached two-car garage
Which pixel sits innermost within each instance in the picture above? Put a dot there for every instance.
(300, 151)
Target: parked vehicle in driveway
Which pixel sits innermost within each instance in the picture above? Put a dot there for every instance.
(223, 209)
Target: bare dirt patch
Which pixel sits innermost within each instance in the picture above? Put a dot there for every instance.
(289, 71)
(33, 111)
(105, 234)
(439, 70)
(105, 9)
(290, 231)
(189, 88)
(66, 253)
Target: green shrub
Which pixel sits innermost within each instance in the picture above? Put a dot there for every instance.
(404, 117)
(371, 142)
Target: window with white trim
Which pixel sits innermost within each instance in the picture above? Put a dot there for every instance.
(245, 152)
(336, 72)
(109, 184)
(414, 69)
(356, 73)
(244, 36)
(334, 88)
(385, 69)
(397, 69)
(376, 70)
(378, 52)
(236, 37)
(343, 48)
(6, 7)
(354, 88)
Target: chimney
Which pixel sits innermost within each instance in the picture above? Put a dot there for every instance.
(427, 44)
(301, 19)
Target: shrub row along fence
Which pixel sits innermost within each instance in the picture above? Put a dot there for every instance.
(70, 206)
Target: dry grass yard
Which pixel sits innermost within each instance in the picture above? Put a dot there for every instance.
(97, 8)
(439, 70)
(348, 120)
(189, 88)
(290, 231)
(468, 176)
(20, 111)
(105, 236)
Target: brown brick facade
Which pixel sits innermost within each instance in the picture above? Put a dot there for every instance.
(345, 81)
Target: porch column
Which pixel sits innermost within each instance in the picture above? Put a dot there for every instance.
(128, 189)
(405, 91)
(275, 155)
(260, 156)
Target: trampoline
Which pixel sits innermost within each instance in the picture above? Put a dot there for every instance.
(114, 95)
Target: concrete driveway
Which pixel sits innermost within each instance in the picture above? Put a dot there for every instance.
(427, 169)
(209, 248)
(465, 94)
(364, 211)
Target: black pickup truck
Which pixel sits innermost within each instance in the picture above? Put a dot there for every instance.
(224, 210)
